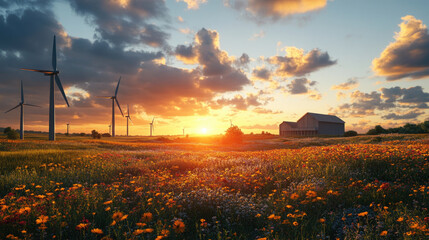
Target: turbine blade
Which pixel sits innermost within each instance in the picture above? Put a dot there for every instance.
(31, 105)
(58, 81)
(153, 119)
(38, 70)
(117, 87)
(22, 93)
(131, 120)
(128, 110)
(54, 56)
(12, 108)
(104, 97)
(119, 106)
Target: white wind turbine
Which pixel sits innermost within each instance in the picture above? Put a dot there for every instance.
(128, 118)
(53, 74)
(21, 104)
(114, 99)
(152, 126)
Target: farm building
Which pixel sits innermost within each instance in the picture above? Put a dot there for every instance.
(312, 124)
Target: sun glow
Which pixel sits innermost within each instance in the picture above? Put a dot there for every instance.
(203, 131)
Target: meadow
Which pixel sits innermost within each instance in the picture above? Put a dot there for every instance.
(364, 187)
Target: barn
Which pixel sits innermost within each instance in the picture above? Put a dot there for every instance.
(313, 124)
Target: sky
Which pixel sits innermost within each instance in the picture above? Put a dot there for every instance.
(199, 65)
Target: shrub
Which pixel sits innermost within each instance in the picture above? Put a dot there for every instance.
(6, 130)
(233, 135)
(12, 134)
(350, 133)
(372, 132)
(95, 134)
(106, 135)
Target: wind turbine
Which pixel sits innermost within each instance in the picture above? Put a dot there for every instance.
(128, 117)
(53, 74)
(114, 99)
(22, 104)
(152, 126)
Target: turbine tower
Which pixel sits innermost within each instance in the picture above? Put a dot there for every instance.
(21, 104)
(128, 117)
(114, 99)
(53, 74)
(152, 126)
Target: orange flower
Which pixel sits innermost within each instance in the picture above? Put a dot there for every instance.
(400, 219)
(147, 217)
(322, 220)
(108, 202)
(273, 217)
(179, 226)
(97, 231)
(295, 224)
(384, 233)
(117, 216)
(311, 194)
(42, 219)
(363, 214)
(294, 196)
(137, 232)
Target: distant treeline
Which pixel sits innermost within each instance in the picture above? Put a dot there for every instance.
(407, 128)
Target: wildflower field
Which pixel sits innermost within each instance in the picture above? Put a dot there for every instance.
(354, 188)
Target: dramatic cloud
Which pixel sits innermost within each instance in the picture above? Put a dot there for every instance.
(300, 86)
(218, 72)
(239, 102)
(125, 22)
(193, 4)
(364, 104)
(260, 110)
(298, 63)
(408, 115)
(350, 84)
(275, 9)
(261, 73)
(408, 56)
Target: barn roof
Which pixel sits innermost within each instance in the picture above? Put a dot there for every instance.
(291, 124)
(326, 118)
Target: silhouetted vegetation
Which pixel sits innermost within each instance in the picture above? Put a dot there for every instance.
(6, 130)
(407, 128)
(106, 135)
(350, 133)
(233, 135)
(12, 134)
(95, 134)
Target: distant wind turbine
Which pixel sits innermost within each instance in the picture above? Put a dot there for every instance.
(114, 99)
(152, 126)
(128, 117)
(21, 104)
(53, 75)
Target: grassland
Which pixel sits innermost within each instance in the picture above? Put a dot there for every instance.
(195, 188)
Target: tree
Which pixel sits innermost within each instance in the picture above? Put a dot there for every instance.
(95, 134)
(12, 134)
(6, 130)
(233, 135)
(350, 133)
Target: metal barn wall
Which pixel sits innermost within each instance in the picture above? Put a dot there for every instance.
(334, 129)
(307, 121)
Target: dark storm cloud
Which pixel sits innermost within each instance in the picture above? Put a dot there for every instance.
(405, 95)
(127, 22)
(300, 86)
(298, 63)
(408, 56)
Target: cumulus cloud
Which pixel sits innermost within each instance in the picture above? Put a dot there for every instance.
(409, 115)
(239, 102)
(261, 73)
(125, 22)
(216, 64)
(364, 104)
(300, 86)
(298, 63)
(193, 4)
(261, 110)
(275, 9)
(408, 55)
(350, 84)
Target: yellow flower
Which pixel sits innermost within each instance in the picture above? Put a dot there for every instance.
(179, 226)
(97, 231)
(42, 219)
(384, 233)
